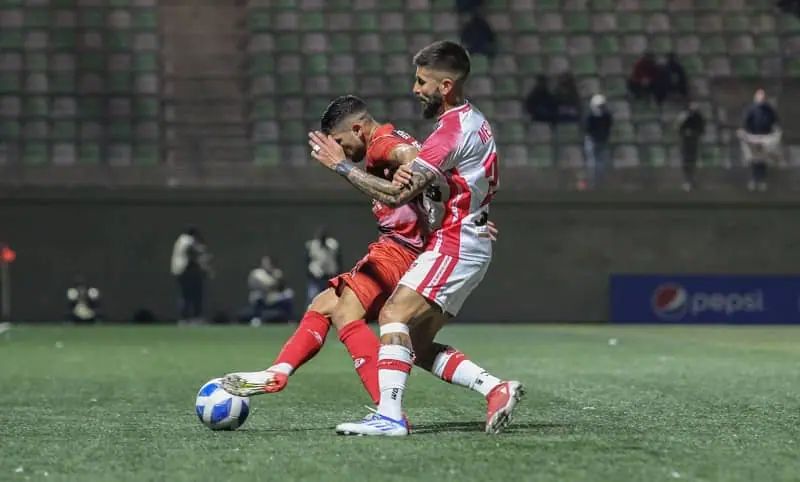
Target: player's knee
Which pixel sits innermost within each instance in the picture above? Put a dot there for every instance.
(347, 310)
(324, 302)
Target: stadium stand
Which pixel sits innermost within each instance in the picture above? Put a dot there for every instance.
(132, 82)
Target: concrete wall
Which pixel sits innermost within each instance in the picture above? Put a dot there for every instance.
(552, 261)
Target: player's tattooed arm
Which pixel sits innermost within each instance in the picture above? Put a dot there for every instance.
(330, 154)
(385, 191)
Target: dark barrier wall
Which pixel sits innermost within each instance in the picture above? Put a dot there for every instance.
(551, 263)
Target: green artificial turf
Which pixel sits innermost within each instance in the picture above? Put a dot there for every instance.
(662, 403)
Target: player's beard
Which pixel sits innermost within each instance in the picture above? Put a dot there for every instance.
(431, 105)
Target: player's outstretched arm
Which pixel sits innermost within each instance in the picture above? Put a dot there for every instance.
(330, 154)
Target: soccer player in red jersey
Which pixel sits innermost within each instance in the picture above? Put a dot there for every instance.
(358, 295)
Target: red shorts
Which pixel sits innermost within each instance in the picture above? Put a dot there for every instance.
(376, 275)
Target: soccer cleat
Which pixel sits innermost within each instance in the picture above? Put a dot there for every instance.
(375, 424)
(247, 384)
(502, 401)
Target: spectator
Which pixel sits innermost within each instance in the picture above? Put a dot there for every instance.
(675, 77)
(597, 132)
(691, 127)
(478, 37)
(644, 79)
(760, 136)
(791, 7)
(568, 100)
(270, 299)
(83, 301)
(323, 261)
(190, 265)
(541, 103)
(468, 6)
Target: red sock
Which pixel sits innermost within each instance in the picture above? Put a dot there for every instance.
(363, 346)
(306, 341)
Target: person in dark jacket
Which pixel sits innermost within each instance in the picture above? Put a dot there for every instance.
(760, 135)
(675, 78)
(478, 37)
(597, 127)
(541, 103)
(691, 127)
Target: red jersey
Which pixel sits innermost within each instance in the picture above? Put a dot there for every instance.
(405, 224)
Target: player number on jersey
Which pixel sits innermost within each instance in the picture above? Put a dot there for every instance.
(492, 175)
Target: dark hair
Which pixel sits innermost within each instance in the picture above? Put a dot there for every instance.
(338, 110)
(446, 56)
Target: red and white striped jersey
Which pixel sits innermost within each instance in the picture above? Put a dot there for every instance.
(462, 152)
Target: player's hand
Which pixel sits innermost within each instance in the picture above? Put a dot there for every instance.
(492, 231)
(325, 149)
(402, 176)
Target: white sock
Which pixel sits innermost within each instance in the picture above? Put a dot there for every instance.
(394, 365)
(281, 368)
(454, 367)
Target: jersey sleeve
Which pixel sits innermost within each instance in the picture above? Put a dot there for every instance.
(381, 149)
(436, 150)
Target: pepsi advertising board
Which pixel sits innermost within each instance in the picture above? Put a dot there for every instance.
(734, 299)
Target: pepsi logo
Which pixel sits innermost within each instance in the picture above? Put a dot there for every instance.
(670, 301)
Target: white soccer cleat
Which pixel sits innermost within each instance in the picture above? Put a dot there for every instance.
(374, 424)
(247, 384)
(501, 402)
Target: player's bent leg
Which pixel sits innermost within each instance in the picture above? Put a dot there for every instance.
(394, 364)
(301, 347)
(453, 366)
(348, 317)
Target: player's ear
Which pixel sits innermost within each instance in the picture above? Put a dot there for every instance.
(446, 86)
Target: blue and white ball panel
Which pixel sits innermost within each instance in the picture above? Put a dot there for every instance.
(218, 409)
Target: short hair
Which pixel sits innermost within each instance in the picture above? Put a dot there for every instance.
(340, 109)
(446, 56)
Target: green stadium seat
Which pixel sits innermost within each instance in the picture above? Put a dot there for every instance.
(36, 106)
(259, 21)
(287, 42)
(631, 23)
(367, 21)
(662, 43)
(147, 154)
(11, 38)
(531, 65)
(737, 23)
(547, 5)
(289, 84)
(37, 17)
(145, 62)
(713, 44)
(602, 5)
(35, 153)
(340, 84)
(264, 109)
(145, 19)
(419, 22)
(64, 130)
(745, 66)
(316, 64)
(312, 21)
(606, 45)
(766, 44)
(370, 64)
(654, 5)
(119, 130)
(542, 156)
(583, 65)
(554, 44)
(511, 132)
(91, 18)
(577, 22)
(525, 23)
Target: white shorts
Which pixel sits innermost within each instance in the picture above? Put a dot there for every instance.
(445, 280)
